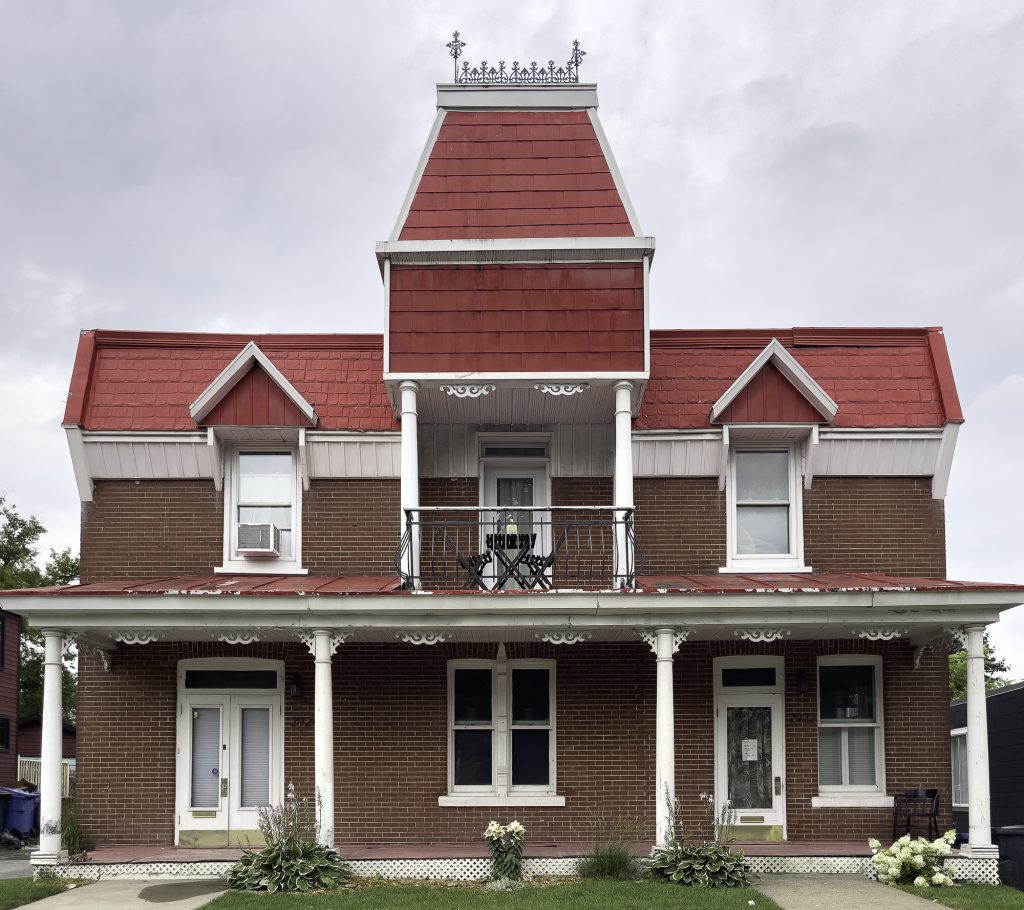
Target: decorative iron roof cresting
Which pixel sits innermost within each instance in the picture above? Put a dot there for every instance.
(517, 75)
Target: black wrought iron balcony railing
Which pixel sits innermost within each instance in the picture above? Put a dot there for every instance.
(525, 548)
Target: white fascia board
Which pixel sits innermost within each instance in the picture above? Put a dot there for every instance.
(79, 464)
(234, 371)
(613, 166)
(864, 433)
(421, 166)
(546, 377)
(313, 436)
(788, 366)
(944, 463)
(183, 437)
(567, 97)
(516, 249)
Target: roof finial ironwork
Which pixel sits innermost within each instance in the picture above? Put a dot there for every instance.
(517, 75)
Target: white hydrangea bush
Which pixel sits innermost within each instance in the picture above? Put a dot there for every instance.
(913, 861)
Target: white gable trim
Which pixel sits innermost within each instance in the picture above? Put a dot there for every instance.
(418, 176)
(217, 390)
(789, 368)
(613, 166)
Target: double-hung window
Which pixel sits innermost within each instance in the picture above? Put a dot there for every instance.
(764, 524)
(501, 733)
(958, 749)
(262, 511)
(850, 748)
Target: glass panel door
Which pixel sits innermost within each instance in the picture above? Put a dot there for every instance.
(512, 532)
(206, 755)
(749, 756)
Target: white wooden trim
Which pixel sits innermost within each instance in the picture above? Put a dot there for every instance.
(516, 249)
(944, 462)
(847, 660)
(78, 462)
(791, 369)
(852, 801)
(386, 337)
(613, 166)
(472, 377)
(417, 176)
(234, 371)
(572, 96)
(515, 800)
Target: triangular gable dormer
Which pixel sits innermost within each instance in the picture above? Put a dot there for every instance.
(774, 389)
(251, 391)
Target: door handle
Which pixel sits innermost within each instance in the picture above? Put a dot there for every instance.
(224, 786)
(778, 786)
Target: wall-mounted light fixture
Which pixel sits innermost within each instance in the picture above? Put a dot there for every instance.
(801, 681)
(295, 686)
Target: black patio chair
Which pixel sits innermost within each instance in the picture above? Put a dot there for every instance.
(915, 803)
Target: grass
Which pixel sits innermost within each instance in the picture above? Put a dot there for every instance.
(17, 891)
(972, 897)
(603, 895)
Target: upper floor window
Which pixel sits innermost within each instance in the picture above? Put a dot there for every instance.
(764, 521)
(850, 747)
(262, 511)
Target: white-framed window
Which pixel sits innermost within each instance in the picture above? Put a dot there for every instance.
(501, 733)
(262, 492)
(850, 725)
(958, 750)
(764, 509)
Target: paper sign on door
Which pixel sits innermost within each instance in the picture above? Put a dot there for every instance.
(749, 749)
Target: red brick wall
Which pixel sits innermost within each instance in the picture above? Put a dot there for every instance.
(151, 528)
(875, 524)
(9, 694)
(351, 527)
(390, 738)
(680, 524)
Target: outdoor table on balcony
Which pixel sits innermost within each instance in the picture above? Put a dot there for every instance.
(517, 561)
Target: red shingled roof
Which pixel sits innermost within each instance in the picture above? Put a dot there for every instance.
(516, 174)
(147, 380)
(877, 377)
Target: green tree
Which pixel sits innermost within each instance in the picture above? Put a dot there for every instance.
(19, 568)
(995, 668)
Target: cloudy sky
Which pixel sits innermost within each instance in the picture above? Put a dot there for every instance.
(228, 165)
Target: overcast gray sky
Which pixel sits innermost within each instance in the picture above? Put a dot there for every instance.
(228, 166)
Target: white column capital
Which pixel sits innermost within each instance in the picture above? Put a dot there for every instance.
(408, 385)
(624, 385)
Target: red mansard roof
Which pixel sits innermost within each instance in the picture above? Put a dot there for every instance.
(147, 380)
(500, 173)
(877, 377)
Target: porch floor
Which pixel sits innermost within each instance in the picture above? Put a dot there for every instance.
(540, 849)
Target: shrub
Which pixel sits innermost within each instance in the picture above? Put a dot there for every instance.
(292, 859)
(918, 862)
(505, 843)
(610, 861)
(711, 865)
(72, 836)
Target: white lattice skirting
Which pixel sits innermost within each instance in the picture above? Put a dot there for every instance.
(964, 869)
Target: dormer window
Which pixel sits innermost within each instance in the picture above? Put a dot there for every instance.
(765, 528)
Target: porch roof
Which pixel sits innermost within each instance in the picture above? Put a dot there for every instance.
(340, 585)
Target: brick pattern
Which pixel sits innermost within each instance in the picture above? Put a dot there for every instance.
(390, 738)
(680, 524)
(151, 528)
(351, 527)
(875, 524)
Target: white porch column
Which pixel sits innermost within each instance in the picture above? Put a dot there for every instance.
(665, 740)
(50, 851)
(623, 487)
(323, 737)
(410, 483)
(979, 813)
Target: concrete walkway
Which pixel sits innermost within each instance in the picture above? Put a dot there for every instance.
(837, 892)
(15, 864)
(189, 894)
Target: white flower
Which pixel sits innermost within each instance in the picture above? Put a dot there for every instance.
(493, 831)
(514, 827)
(750, 903)
(920, 882)
(874, 844)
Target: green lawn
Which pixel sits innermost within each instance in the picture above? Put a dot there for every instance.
(973, 897)
(17, 891)
(567, 896)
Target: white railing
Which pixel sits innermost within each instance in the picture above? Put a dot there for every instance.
(29, 770)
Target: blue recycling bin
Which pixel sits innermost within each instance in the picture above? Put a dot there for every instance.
(20, 811)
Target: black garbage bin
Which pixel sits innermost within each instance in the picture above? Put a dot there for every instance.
(1011, 855)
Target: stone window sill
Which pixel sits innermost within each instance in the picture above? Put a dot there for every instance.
(851, 801)
(527, 800)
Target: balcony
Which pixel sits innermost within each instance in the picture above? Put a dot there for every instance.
(520, 549)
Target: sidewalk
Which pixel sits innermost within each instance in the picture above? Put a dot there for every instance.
(101, 895)
(835, 892)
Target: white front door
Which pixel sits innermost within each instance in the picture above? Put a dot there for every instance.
(514, 494)
(750, 746)
(229, 762)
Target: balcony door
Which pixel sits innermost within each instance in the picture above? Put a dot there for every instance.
(514, 524)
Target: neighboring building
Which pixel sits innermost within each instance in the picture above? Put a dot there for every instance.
(10, 662)
(425, 573)
(30, 734)
(1004, 708)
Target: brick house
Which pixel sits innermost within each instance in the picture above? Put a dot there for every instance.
(521, 556)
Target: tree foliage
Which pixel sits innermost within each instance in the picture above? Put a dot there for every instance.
(19, 568)
(995, 670)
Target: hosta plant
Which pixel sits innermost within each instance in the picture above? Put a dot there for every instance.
(711, 865)
(292, 859)
(916, 861)
(505, 843)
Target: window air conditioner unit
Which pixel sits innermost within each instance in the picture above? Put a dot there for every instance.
(259, 540)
